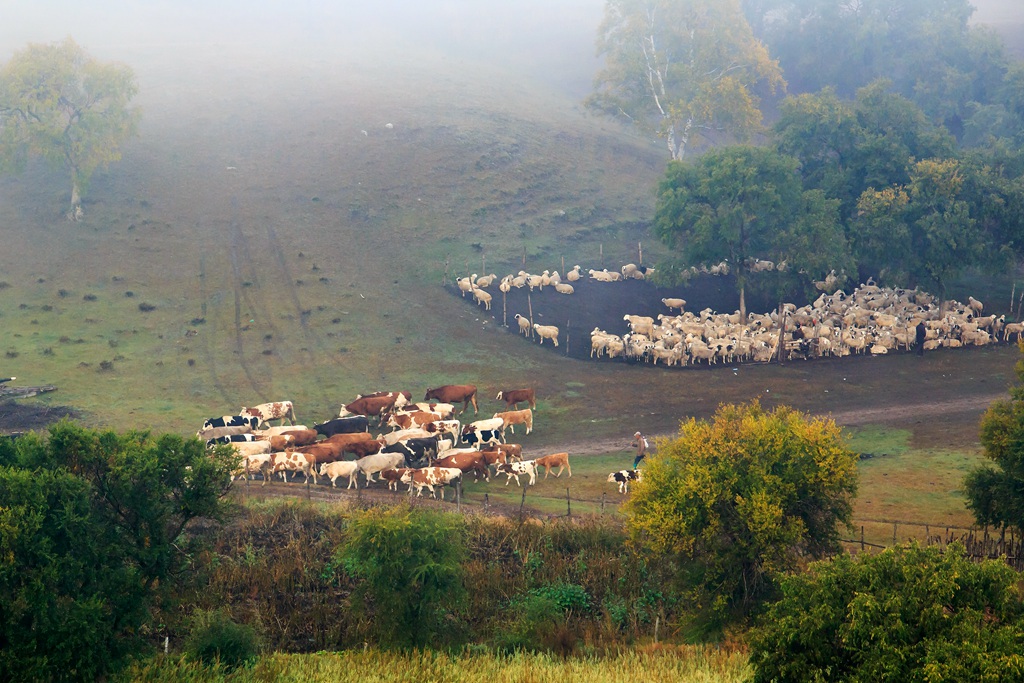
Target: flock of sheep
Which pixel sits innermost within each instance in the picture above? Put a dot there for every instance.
(869, 320)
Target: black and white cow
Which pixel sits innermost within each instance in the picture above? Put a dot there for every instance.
(230, 438)
(231, 421)
(623, 477)
(418, 452)
(343, 425)
(227, 425)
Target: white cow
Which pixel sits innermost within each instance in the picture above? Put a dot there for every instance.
(379, 462)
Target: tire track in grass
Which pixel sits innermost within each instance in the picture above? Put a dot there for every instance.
(207, 353)
(235, 242)
(293, 294)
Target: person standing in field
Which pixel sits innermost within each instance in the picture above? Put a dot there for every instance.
(921, 333)
(641, 445)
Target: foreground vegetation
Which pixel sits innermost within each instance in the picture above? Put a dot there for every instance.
(699, 664)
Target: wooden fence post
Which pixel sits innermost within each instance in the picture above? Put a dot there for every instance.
(568, 503)
(894, 533)
(862, 538)
(522, 504)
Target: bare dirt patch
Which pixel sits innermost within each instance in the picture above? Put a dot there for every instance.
(28, 416)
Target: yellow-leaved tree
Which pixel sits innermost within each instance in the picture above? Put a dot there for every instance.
(737, 501)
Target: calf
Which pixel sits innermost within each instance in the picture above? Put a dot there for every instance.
(393, 476)
(549, 462)
(514, 469)
(623, 477)
(513, 397)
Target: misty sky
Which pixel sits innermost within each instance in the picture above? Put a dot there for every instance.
(552, 40)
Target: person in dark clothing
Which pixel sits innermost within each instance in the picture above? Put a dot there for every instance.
(641, 445)
(921, 333)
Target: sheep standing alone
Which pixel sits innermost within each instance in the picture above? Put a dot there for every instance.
(546, 332)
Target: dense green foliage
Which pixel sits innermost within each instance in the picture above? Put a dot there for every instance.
(411, 567)
(281, 567)
(58, 103)
(738, 204)
(995, 492)
(907, 614)
(738, 500)
(956, 73)
(216, 639)
(90, 530)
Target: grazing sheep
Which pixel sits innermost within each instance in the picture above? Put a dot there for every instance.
(547, 332)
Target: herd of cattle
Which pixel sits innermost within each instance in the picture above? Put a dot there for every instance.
(427, 445)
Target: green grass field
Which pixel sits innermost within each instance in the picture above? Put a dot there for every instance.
(697, 664)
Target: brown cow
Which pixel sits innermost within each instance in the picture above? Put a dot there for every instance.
(374, 406)
(513, 397)
(454, 393)
(512, 451)
(303, 437)
(278, 442)
(393, 476)
(472, 461)
(494, 457)
(361, 449)
(549, 462)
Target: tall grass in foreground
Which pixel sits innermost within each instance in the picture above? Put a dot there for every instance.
(699, 664)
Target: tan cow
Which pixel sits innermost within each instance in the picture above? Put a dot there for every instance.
(549, 462)
(511, 418)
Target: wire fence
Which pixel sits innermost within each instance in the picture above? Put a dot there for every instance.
(979, 543)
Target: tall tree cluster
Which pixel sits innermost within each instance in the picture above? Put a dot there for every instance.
(897, 157)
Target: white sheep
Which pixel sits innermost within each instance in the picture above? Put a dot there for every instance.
(546, 332)
(524, 325)
(573, 275)
(482, 297)
(674, 303)
(564, 288)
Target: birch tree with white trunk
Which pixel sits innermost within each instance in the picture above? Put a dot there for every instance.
(684, 69)
(58, 103)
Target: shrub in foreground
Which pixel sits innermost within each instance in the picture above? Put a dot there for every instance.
(216, 638)
(908, 614)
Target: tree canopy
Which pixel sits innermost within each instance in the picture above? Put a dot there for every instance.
(91, 530)
(907, 614)
(738, 500)
(683, 68)
(741, 203)
(58, 103)
(995, 491)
